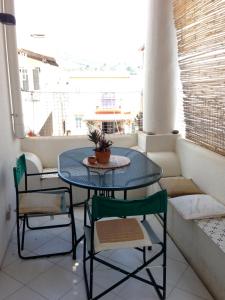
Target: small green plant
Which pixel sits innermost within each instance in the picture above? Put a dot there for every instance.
(98, 138)
(94, 136)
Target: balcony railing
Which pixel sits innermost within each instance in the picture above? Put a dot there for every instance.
(69, 113)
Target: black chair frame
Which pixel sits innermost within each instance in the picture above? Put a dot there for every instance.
(90, 256)
(23, 219)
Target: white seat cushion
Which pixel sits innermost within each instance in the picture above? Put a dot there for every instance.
(198, 207)
(40, 203)
(47, 176)
(168, 161)
(120, 233)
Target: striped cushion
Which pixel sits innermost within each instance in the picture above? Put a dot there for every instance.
(120, 233)
(40, 203)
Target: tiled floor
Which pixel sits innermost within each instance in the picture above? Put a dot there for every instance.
(62, 278)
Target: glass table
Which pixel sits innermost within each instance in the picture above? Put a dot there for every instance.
(140, 172)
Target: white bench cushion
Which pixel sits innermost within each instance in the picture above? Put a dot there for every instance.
(192, 207)
(52, 175)
(168, 161)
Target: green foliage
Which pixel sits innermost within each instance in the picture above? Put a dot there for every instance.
(94, 136)
(98, 138)
(103, 144)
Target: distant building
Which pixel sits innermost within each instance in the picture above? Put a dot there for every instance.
(109, 101)
(109, 115)
(60, 102)
(38, 81)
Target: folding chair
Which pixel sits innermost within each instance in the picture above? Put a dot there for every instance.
(39, 203)
(123, 232)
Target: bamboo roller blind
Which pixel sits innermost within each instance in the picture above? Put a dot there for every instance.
(200, 28)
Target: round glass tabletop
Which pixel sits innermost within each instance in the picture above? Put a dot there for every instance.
(139, 173)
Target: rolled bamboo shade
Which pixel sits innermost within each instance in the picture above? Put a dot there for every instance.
(200, 28)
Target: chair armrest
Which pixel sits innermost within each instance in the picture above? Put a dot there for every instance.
(63, 189)
(42, 173)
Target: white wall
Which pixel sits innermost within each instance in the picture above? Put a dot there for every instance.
(48, 149)
(9, 148)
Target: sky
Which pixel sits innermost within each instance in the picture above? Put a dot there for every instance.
(92, 30)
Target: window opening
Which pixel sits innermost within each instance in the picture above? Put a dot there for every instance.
(80, 70)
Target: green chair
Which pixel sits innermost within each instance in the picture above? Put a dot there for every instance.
(39, 203)
(124, 231)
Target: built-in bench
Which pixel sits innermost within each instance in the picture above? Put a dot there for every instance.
(201, 241)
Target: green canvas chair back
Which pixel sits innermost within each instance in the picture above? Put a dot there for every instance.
(109, 207)
(19, 170)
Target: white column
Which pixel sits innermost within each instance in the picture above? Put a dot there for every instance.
(160, 60)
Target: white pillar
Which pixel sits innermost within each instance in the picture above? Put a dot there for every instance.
(160, 60)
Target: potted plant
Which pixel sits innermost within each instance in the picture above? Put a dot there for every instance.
(102, 145)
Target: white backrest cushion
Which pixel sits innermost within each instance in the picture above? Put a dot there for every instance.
(168, 161)
(33, 163)
(192, 207)
(206, 168)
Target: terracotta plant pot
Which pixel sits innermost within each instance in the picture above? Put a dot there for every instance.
(102, 157)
